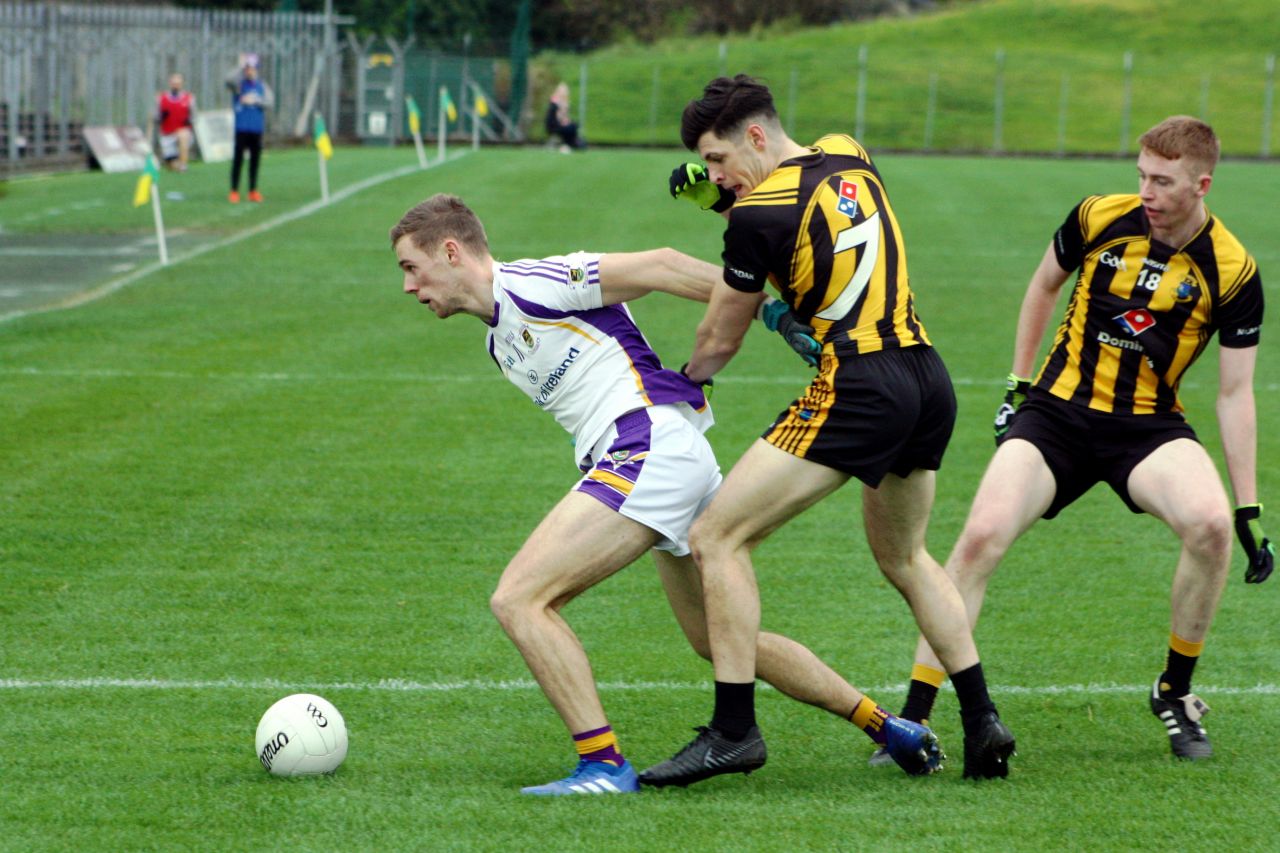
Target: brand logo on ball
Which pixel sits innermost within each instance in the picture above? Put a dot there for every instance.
(317, 715)
(273, 746)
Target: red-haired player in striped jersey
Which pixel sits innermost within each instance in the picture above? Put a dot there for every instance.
(1158, 277)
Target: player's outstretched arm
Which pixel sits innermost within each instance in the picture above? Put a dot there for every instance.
(721, 331)
(1033, 321)
(1037, 311)
(1238, 425)
(629, 275)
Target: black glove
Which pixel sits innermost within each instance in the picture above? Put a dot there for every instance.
(707, 385)
(1257, 547)
(777, 317)
(1014, 397)
(690, 181)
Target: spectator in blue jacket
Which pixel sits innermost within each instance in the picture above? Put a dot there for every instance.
(249, 100)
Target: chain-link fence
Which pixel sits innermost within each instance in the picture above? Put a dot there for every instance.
(925, 98)
(65, 66)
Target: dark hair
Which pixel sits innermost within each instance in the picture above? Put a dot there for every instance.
(725, 105)
(441, 216)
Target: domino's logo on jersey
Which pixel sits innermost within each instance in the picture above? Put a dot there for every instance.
(848, 203)
(1135, 321)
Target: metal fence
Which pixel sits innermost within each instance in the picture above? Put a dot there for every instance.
(956, 98)
(65, 66)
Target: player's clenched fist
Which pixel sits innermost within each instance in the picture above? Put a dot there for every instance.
(1257, 547)
(1014, 397)
(690, 181)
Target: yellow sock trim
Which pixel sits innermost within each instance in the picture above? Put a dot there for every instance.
(594, 744)
(928, 675)
(865, 715)
(1185, 647)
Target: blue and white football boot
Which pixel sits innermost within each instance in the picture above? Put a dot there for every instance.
(914, 747)
(591, 777)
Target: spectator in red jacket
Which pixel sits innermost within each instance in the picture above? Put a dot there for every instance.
(175, 109)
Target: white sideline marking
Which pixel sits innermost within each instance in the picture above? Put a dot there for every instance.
(400, 685)
(466, 379)
(306, 210)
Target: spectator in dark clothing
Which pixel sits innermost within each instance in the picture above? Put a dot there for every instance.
(558, 123)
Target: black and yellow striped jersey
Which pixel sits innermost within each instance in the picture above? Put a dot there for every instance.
(1141, 311)
(821, 229)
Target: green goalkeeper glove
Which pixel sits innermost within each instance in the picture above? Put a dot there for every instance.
(1257, 547)
(1014, 397)
(690, 181)
(777, 317)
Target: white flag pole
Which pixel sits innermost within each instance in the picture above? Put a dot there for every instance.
(444, 127)
(417, 144)
(324, 176)
(155, 211)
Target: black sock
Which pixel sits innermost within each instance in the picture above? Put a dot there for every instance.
(735, 712)
(920, 699)
(971, 691)
(1175, 681)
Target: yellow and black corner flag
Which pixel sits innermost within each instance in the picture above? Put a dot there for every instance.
(323, 143)
(150, 176)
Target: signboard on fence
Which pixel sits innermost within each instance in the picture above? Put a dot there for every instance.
(215, 133)
(118, 148)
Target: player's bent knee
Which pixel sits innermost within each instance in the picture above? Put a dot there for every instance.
(509, 606)
(711, 540)
(1210, 537)
(703, 540)
(982, 543)
(500, 607)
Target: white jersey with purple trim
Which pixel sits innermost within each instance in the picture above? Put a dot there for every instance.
(584, 362)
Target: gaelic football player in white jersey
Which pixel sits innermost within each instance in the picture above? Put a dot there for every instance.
(560, 332)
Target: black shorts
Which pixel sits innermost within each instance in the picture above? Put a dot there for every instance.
(1083, 446)
(868, 415)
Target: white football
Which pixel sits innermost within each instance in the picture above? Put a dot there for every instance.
(301, 735)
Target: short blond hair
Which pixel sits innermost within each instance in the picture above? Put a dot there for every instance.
(1179, 137)
(430, 222)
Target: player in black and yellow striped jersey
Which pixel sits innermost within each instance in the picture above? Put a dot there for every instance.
(1143, 311)
(816, 222)
(1159, 277)
(821, 229)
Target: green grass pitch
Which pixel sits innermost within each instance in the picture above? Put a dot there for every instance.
(264, 469)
